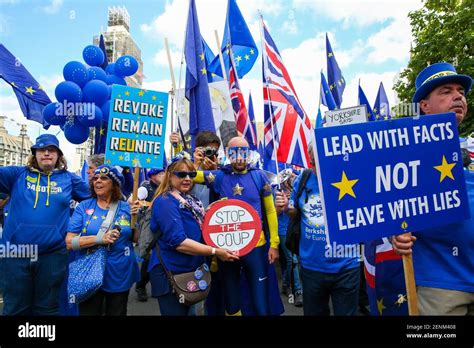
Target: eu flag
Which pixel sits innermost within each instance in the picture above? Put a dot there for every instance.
(196, 87)
(363, 101)
(100, 138)
(102, 47)
(326, 96)
(381, 106)
(30, 94)
(318, 123)
(209, 56)
(251, 130)
(237, 37)
(337, 83)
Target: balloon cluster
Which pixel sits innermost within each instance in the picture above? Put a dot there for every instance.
(83, 99)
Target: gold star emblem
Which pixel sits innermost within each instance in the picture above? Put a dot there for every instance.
(30, 90)
(135, 162)
(401, 299)
(101, 132)
(380, 306)
(127, 93)
(201, 56)
(239, 58)
(148, 160)
(141, 93)
(103, 217)
(153, 97)
(252, 51)
(210, 178)
(247, 57)
(445, 169)
(121, 157)
(94, 217)
(204, 71)
(330, 54)
(13, 84)
(238, 190)
(345, 186)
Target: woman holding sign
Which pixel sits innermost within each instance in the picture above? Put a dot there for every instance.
(177, 217)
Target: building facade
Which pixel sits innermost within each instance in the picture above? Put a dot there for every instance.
(14, 150)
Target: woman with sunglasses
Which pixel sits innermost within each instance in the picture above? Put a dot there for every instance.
(89, 228)
(178, 216)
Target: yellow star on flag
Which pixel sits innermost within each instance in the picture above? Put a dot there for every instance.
(103, 217)
(330, 54)
(127, 93)
(252, 51)
(141, 93)
(201, 56)
(13, 84)
(345, 186)
(30, 90)
(40, 88)
(445, 169)
(239, 58)
(247, 57)
(380, 306)
(401, 299)
(101, 131)
(238, 190)
(204, 71)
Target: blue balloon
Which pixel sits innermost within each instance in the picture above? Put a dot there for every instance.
(110, 69)
(69, 92)
(95, 91)
(93, 55)
(76, 72)
(106, 111)
(53, 114)
(96, 73)
(126, 66)
(90, 116)
(110, 91)
(115, 80)
(76, 133)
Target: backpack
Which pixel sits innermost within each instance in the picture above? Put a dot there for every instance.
(293, 234)
(146, 238)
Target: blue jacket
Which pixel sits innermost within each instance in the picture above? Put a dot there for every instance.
(39, 206)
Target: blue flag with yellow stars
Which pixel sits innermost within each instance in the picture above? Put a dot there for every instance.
(337, 83)
(100, 138)
(209, 56)
(237, 37)
(30, 94)
(318, 123)
(326, 96)
(363, 101)
(196, 87)
(381, 106)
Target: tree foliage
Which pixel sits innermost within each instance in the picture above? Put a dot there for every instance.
(442, 31)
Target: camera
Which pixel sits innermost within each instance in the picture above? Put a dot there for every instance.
(209, 151)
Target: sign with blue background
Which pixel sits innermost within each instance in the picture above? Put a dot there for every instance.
(385, 178)
(137, 127)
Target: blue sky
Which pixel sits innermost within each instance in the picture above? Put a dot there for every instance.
(370, 39)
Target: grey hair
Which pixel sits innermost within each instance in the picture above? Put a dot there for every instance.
(97, 159)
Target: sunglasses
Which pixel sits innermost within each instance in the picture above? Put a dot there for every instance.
(182, 175)
(102, 178)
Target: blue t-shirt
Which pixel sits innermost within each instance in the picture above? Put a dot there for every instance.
(176, 224)
(121, 270)
(443, 257)
(313, 232)
(39, 206)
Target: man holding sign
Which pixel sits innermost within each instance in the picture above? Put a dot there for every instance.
(443, 256)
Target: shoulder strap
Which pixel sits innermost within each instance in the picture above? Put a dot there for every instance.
(107, 223)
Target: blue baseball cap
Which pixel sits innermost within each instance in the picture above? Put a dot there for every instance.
(436, 75)
(45, 140)
(155, 171)
(112, 173)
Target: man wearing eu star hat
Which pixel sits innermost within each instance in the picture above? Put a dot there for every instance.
(443, 257)
(38, 216)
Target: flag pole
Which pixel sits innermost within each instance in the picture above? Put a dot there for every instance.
(173, 89)
(410, 282)
(265, 70)
(221, 58)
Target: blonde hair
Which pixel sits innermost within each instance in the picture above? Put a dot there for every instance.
(165, 185)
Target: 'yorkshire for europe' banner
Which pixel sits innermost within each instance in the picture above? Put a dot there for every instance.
(379, 179)
(137, 127)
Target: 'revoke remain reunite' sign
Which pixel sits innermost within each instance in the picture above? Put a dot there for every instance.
(390, 177)
(136, 127)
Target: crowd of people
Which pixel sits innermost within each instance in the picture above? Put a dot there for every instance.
(36, 209)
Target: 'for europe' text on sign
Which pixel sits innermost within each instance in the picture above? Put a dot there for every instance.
(386, 178)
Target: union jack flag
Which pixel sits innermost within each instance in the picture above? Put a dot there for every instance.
(283, 111)
(238, 102)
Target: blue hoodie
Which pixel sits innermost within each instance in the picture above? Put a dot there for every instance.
(39, 206)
